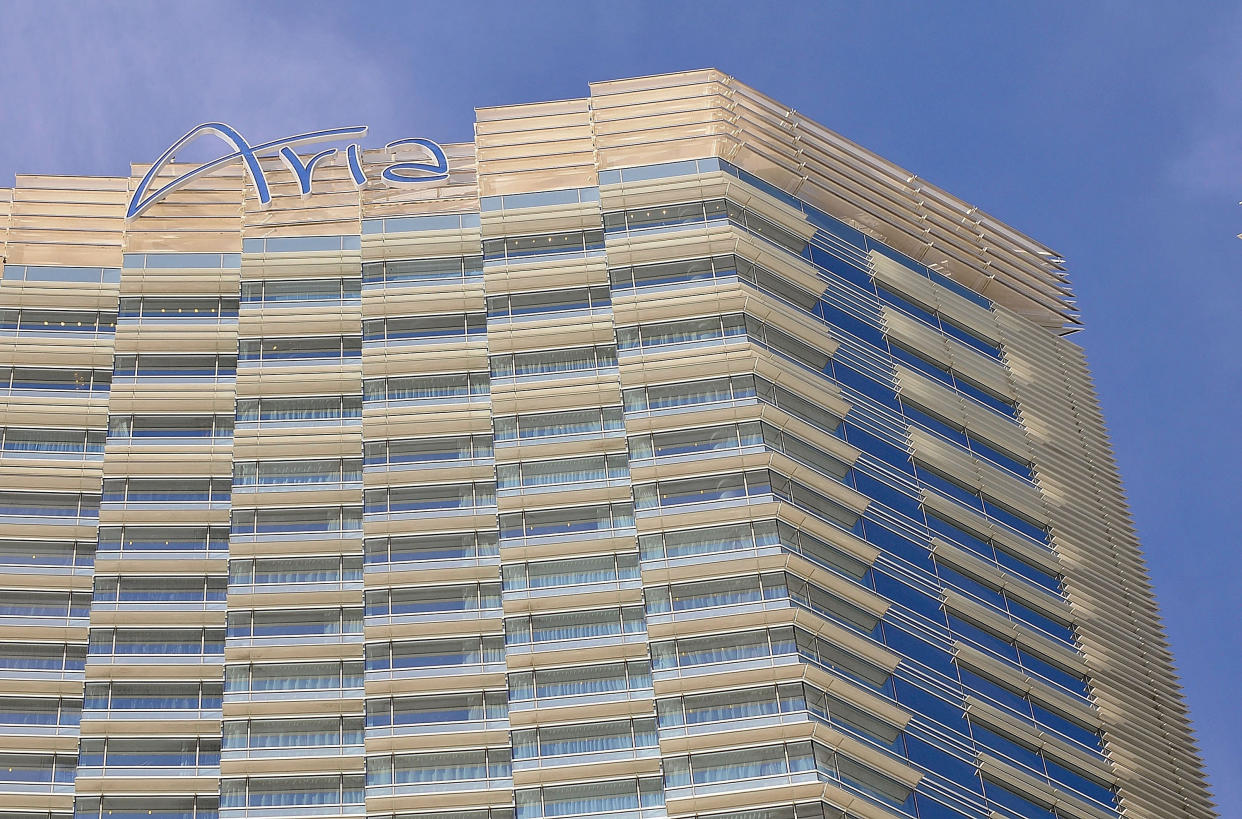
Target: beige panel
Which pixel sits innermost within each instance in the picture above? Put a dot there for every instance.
(926, 293)
(541, 219)
(717, 298)
(1146, 729)
(698, 187)
(535, 147)
(654, 246)
(543, 272)
(1027, 638)
(996, 484)
(950, 406)
(700, 114)
(948, 352)
(820, 626)
(987, 530)
(1033, 739)
(1036, 598)
(739, 358)
(731, 464)
(421, 244)
(1037, 790)
(834, 798)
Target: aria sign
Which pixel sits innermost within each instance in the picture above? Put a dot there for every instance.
(398, 173)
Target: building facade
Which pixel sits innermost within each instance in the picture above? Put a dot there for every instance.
(672, 456)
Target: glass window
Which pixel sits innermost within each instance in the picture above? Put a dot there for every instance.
(299, 409)
(297, 471)
(294, 622)
(33, 710)
(426, 387)
(430, 497)
(584, 738)
(721, 648)
(58, 273)
(54, 378)
(17, 656)
(435, 709)
(313, 732)
(176, 365)
(546, 362)
(166, 489)
(173, 308)
(443, 326)
(603, 678)
(52, 442)
(443, 766)
(419, 271)
(159, 588)
(571, 571)
(421, 654)
(518, 248)
(56, 322)
(292, 791)
(281, 570)
(152, 807)
(663, 217)
(575, 625)
(22, 552)
(50, 504)
(566, 520)
(686, 271)
(548, 301)
(288, 348)
(556, 471)
(719, 390)
(276, 291)
(591, 799)
(170, 426)
(433, 599)
(427, 450)
(31, 768)
(556, 424)
(152, 641)
(153, 696)
(439, 546)
(290, 520)
(163, 538)
(293, 676)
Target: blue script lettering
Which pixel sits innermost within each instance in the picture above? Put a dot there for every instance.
(398, 173)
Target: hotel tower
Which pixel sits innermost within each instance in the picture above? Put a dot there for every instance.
(660, 453)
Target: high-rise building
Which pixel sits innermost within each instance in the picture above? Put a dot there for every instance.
(659, 453)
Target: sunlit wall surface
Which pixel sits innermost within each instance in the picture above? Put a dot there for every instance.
(674, 457)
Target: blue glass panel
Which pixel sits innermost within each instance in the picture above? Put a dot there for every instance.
(928, 704)
(903, 595)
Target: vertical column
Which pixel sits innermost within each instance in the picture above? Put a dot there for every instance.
(1133, 683)
(1014, 638)
(437, 732)
(58, 301)
(151, 724)
(768, 668)
(437, 738)
(293, 709)
(583, 725)
(580, 702)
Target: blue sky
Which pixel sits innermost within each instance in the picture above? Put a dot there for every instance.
(1110, 131)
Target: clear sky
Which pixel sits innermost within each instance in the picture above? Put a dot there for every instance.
(1110, 131)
